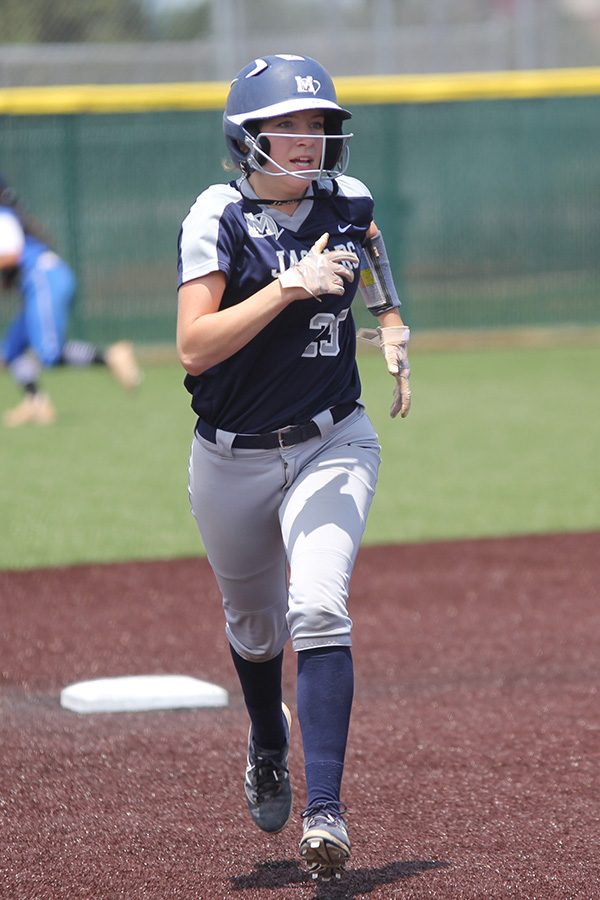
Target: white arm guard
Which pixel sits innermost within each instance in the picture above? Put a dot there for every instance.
(377, 283)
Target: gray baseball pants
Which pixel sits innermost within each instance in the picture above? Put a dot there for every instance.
(282, 529)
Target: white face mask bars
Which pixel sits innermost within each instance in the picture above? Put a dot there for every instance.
(259, 158)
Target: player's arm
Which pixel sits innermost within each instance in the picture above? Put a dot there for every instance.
(207, 334)
(392, 335)
(376, 279)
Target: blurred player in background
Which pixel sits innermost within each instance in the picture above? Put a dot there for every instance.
(37, 336)
(284, 460)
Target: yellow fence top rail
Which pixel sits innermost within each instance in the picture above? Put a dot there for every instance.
(123, 98)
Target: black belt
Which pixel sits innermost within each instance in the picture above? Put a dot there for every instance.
(284, 437)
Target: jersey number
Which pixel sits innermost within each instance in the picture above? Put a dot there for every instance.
(327, 342)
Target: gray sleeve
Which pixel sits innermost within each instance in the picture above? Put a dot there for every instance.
(199, 237)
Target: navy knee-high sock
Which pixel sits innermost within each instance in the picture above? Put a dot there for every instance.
(325, 693)
(261, 686)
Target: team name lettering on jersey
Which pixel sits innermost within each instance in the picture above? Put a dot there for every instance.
(286, 258)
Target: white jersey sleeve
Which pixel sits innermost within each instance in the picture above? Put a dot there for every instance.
(12, 237)
(201, 232)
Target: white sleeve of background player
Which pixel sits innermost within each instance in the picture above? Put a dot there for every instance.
(12, 238)
(199, 252)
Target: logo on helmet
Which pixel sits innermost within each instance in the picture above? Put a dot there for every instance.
(306, 84)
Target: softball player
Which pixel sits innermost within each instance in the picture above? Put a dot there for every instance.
(284, 459)
(47, 288)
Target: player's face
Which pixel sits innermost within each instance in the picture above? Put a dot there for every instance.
(296, 140)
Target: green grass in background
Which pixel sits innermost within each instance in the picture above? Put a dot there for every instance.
(498, 442)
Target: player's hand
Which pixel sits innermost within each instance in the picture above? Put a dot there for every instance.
(320, 272)
(393, 341)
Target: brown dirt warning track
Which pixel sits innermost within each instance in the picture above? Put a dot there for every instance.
(474, 757)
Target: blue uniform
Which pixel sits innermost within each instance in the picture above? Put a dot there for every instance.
(47, 287)
(304, 360)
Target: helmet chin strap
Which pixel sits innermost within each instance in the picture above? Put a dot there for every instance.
(282, 202)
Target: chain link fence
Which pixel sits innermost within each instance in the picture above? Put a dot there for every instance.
(148, 41)
(489, 208)
(489, 204)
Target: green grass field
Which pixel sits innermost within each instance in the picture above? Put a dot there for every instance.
(498, 442)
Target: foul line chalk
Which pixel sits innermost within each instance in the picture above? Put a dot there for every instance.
(134, 693)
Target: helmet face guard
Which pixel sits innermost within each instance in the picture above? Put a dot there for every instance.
(276, 86)
(333, 161)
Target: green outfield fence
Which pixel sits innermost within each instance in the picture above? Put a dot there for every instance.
(487, 187)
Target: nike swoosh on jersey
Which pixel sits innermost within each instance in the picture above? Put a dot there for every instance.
(343, 228)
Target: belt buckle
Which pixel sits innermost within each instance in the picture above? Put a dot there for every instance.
(281, 432)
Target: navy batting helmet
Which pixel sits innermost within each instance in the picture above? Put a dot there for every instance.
(277, 85)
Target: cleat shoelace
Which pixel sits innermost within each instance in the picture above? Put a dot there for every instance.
(329, 811)
(270, 775)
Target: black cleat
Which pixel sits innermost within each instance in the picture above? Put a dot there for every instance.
(267, 783)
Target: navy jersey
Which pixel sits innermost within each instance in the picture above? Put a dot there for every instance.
(304, 360)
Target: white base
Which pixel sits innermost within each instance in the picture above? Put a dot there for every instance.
(135, 693)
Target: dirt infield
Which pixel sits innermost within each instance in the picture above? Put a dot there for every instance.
(472, 770)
